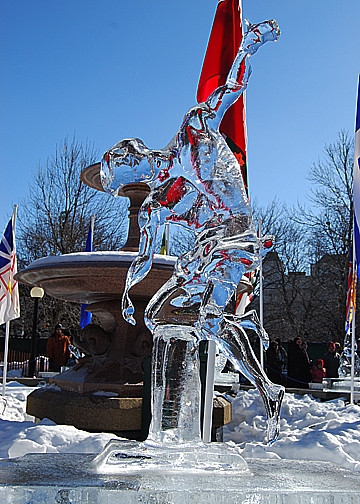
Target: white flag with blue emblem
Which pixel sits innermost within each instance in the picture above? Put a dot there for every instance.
(9, 289)
(357, 181)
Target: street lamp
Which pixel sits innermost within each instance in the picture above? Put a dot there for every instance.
(36, 293)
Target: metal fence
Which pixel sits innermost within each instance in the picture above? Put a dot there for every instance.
(20, 360)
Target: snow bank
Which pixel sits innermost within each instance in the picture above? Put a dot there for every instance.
(310, 429)
(19, 435)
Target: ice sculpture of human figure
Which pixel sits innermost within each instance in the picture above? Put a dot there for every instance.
(196, 182)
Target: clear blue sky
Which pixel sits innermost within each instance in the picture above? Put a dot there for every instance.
(116, 68)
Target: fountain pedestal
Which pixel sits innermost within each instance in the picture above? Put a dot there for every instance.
(115, 350)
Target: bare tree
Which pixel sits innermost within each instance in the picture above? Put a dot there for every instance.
(306, 277)
(332, 197)
(328, 223)
(288, 293)
(54, 219)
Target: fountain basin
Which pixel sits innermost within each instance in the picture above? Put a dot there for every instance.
(88, 277)
(98, 279)
(116, 349)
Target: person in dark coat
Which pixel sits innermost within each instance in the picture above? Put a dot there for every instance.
(331, 361)
(273, 364)
(298, 365)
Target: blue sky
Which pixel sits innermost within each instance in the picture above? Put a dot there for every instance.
(115, 69)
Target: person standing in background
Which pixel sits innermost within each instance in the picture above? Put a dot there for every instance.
(283, 356)
(57, 349)
(318, 372)
(331, 361)
(298, 365)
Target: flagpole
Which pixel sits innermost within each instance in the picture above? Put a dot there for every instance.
(6, 348)
(92, 224)
(209, 391)
(85, 316)
(261, 302)
(7, 326)
(356, 223)
(353, 323)
(167, 240)
(14, 217)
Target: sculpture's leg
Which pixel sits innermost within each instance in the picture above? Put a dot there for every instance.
(242, 356)
(175, 405)
(250, 320)
(157, 302)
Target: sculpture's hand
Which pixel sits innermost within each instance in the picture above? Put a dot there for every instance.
(258, 34)
(139, 268)
(127, 309)
(224, 96)
(267, 244)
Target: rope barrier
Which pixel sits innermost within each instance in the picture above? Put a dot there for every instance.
(286, 378)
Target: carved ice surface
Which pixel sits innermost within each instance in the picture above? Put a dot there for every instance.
(346, 359)
(196, 182)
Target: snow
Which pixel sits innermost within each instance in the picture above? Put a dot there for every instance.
(310, 430)
(12, 373)
(20, 435)
(102, 256)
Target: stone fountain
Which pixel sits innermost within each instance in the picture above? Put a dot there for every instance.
(115, 349)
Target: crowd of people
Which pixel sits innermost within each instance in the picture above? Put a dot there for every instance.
(294, 367)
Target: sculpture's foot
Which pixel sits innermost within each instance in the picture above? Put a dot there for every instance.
(273, 421)
(120, 456)
(264, 338)
(258, 34)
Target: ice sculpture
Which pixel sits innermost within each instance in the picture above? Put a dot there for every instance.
(196, 182)
(346, 359)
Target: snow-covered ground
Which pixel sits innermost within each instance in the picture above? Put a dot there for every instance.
(310, 430)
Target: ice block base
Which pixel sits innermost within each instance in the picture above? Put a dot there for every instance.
(71, 478)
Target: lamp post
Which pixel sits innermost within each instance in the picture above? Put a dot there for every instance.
(36, 293)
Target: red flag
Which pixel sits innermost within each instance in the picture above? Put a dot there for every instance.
(224, 43)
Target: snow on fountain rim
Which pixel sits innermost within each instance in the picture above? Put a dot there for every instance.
(103, 256)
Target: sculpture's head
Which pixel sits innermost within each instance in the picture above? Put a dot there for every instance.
(125, 163)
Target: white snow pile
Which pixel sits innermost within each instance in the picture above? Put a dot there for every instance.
(12, 373)
(19, 435)
(310, 430)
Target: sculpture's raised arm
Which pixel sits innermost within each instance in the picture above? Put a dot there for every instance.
(223, 97)
(141, 265)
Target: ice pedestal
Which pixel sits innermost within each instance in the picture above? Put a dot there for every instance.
(124, 457)
(73, 478)
(174, 441)
(341, 385)
(175, 385)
